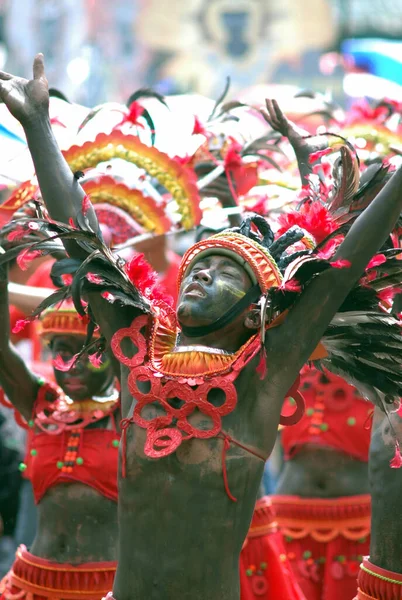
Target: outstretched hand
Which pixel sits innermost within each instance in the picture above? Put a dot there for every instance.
(27, 100)
(279, 122)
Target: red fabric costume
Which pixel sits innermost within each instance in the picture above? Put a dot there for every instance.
(336, 417)
(265, 571)
(95, 464)
(375, 583)
(326, 539)
(34, 578)
(62, 449)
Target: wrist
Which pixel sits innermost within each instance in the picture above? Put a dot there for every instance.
(38, 122)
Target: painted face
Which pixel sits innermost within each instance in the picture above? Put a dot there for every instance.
(212, 286)
(83, 380)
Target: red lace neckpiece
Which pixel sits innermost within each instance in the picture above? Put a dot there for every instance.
(54, 412)
(186, 373)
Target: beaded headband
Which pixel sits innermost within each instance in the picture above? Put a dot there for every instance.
(62, 321)
(251, 255)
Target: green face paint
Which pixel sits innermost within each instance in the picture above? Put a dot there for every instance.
(102, 367)
(224, 286)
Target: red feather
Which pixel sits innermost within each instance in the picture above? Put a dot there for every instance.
(396, 462)
(20, 325)
(291, 286)
(377, 260)
(313, 217)
(95, 360)
(314, 156)
(26, 256)
(64, 365)
(93, 278)
(86, 203)
(17, 234)
(341, 264)
(198, 128)
(108, 296)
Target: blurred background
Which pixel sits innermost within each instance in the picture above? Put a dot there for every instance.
(97, 50)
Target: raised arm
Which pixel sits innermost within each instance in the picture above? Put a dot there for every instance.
(19, 384)
(302, 144)
(312, 313)
(28, 101)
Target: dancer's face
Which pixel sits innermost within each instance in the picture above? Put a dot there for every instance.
(212, 286)
(83, 380)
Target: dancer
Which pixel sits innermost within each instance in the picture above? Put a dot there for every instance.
(71, 462)
(322, 501)
(177, 441)
(380, 575)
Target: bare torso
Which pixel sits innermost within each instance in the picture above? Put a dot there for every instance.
(319, 472)
(185, 513)
(76, 525)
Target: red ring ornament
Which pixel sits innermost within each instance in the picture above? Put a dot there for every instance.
(207, 409)
(297, 414)
(175, 390)
(160, 421)
(134, 334)
(143, 374)
(259, 585)
(227, 387)
(336, 403)
(155, 438)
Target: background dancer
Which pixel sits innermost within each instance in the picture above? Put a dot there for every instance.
(71, 462)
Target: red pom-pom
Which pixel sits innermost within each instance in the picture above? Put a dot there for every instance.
(396, 462)
(141, 274)
(26, 256)
(313, 217)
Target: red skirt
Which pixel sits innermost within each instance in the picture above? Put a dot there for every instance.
(375, 583)
(265, 572)
(325, 542)
(33, 578)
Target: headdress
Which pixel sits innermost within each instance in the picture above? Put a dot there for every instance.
(62, 320)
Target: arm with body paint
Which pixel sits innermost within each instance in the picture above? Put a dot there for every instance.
(17, 381)
(28, 102)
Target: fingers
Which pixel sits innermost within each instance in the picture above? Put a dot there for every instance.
(271, 116)
(5, 76)
(278, 112)
(39, 66)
